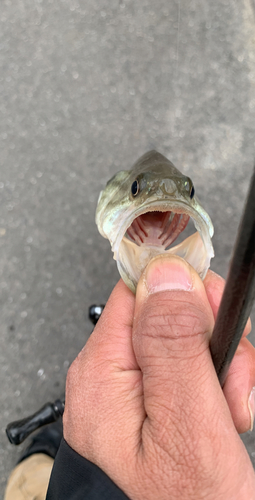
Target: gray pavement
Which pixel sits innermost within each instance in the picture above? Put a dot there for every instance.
(85, 89)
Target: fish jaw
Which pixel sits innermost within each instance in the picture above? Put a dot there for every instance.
(132, 259)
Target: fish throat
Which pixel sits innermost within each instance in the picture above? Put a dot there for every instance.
(157, 229)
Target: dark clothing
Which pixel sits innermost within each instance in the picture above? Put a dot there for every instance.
(75, 478)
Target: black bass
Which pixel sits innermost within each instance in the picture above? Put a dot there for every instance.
(142, 212)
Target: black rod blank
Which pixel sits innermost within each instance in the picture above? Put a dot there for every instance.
(239, 292)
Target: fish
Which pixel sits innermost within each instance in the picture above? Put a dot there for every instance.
(143, 211)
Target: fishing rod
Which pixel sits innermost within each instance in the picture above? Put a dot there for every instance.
(239, 292)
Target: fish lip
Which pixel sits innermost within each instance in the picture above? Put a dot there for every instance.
(201, 224)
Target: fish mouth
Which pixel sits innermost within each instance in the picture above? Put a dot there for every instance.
(157, 228)
(152, 232)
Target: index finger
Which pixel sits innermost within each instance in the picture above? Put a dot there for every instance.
(111, 339)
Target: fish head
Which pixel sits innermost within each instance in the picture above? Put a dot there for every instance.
(142, 212)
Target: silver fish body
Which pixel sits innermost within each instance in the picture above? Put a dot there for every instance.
(142, 212)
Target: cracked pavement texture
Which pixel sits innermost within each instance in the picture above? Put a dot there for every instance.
(85, 89)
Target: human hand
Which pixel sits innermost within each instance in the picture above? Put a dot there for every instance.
(143, 401)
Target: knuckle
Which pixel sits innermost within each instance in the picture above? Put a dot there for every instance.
(74, 377)
(72, 371)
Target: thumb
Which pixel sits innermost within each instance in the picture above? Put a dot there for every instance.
(172, 326)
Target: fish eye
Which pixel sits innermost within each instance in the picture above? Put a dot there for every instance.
(192, 192)
(135, 188)
(189, 187)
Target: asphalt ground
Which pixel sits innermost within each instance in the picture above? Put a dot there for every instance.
(85, 89)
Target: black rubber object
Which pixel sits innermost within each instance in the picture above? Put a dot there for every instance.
(19, 430)
(239, 292)
(95, 312)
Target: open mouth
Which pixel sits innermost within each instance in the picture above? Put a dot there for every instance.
(158, 232)
(157, 229)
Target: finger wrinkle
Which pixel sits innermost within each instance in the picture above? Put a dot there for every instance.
(176, 308)
(166, 336)
(159, 323)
